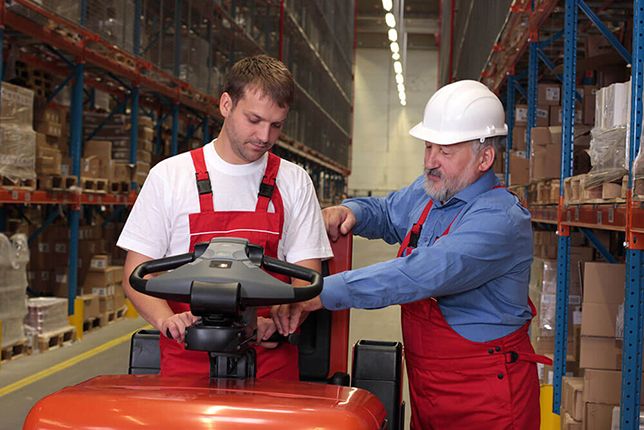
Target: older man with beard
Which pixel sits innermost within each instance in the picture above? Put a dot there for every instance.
(461, 274)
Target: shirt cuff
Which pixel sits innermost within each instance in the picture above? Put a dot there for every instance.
(355, 208)
(335, 295)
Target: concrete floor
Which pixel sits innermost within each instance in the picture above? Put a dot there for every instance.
(383, 324)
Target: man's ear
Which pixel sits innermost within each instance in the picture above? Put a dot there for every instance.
(486, 158)
(226, 104)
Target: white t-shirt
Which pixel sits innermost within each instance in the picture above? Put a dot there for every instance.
(158, 223)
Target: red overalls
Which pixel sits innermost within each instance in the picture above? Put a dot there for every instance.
(259, 227)
(456, 383)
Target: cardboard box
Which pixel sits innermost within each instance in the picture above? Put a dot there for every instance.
(519, 169)
(600, 353)
(110, 276)
(518, 138)
(105, 304)
(598, 416)
(90, 167)
(568, 423)
(99, 263)
(545, 162)
(91, 306)
(599, 319)
(556, 115)
(540, 136)
(588, 105)
(119, 297)
(572, 399)
(549, 94)
(603, 386)
(604, 283)
(16, 105)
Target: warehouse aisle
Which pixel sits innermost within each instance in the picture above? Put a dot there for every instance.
(380, 324)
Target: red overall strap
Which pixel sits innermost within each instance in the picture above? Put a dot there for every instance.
(267, 186)
(204, 188)
(411, 240)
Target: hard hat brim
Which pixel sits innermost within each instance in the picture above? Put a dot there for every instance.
(421, 132)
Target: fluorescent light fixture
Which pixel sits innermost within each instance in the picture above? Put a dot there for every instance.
(399, 78)
(390, 20)
(401, 88)
(395, 56)
(387, 5)
(397, 67)
(394, 47)
(393, 34)
(403, 102)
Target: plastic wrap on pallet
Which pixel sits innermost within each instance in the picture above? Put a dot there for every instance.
(16, 106)
(607, 156)
(14, 256)
(17, 153)
(46, 314)
(13, 330)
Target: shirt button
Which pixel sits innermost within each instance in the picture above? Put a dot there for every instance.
(490, 351)
(500, 376)
(497, 348)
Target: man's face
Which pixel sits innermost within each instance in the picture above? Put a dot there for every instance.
(449, 169)
(251, 127)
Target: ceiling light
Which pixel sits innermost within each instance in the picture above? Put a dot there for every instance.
(403, 102)
(393, 34)
(394, 47)
(387, 5)
(399, 78)
(401, 88)
(390, 20)
(397, 67)
(395, 56)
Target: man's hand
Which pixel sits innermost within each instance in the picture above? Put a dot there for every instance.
(288, 317)
(176, 325)
(338, 220)
(265, 329)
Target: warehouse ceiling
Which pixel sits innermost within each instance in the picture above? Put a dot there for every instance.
(420, 23)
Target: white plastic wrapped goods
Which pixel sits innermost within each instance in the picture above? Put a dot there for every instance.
(16, 106)
(607, 155)
(14, 256)
(47, 314)
(612, 106)
(13, 330)
(17, 152)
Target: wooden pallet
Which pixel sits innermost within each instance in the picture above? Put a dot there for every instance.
(120, 187)
(91, 324)
(577, 191)
(94, 185)
(544, 192)
(56, 182)
(18, 184)
(15, 349)
(56, 338)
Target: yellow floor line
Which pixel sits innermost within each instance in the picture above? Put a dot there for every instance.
(68, 363)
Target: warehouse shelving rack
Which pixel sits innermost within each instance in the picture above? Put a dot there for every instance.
(87, 61)
(508, 55)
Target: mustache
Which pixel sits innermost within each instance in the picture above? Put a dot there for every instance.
(433, 172)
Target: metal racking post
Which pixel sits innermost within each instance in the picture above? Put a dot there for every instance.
(134, 114)
(533, 76)
(634, 294)
(509, 114)
(563, 241)
(76, 147)
(174, 145)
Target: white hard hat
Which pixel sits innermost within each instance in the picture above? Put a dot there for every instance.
(460, 112)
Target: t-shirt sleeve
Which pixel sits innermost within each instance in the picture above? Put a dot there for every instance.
(304, 236)
(147, 226)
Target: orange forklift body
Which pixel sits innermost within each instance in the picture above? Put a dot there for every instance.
(151, 401)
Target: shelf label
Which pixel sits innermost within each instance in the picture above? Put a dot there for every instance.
(611, 215)
(599, 216)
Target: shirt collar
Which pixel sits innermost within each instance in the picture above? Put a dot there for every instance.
(481, 185)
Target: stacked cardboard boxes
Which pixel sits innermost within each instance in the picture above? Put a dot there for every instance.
(104, 280)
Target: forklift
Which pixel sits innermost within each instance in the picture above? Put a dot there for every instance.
(224, 281)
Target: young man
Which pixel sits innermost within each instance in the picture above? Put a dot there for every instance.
(461, 274)
(214, 191)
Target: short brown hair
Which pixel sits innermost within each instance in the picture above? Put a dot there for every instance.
(265, 73)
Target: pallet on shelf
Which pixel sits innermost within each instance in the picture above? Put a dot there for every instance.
(578, 191)
(15, 349)
(546, 192)
(94, 185)
(18, 184)
(56, 338)
(57, 182)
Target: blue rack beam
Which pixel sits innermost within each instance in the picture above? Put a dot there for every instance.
(533, 71)
(634, 294)
(563, 241)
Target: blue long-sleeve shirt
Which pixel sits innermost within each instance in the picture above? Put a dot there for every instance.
(479, 272)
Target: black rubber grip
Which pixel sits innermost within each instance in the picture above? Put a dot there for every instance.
(155, 266)
(299, 272)
(293, 338)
